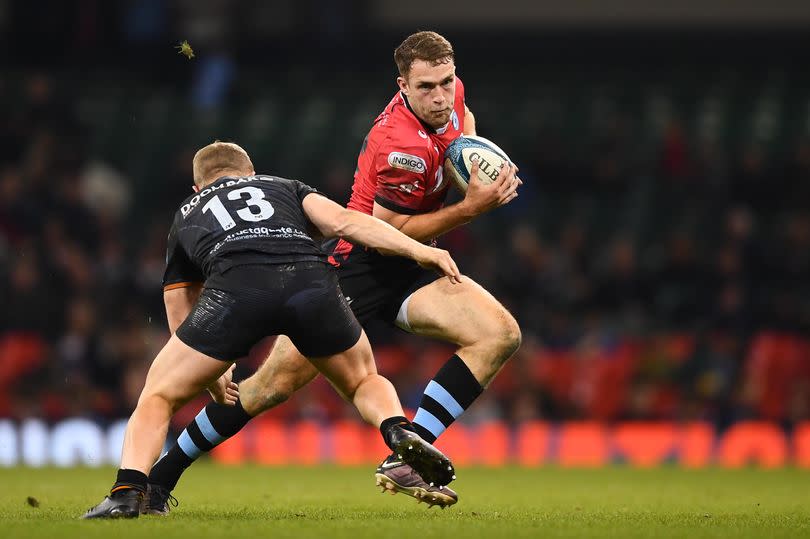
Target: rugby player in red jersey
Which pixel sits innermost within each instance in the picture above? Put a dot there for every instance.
(399, 179)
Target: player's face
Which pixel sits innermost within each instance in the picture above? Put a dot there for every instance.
(431, 91)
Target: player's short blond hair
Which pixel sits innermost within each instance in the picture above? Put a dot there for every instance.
(428, 46)
(220, 159)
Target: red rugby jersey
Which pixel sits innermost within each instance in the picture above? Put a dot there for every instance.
(400, 164)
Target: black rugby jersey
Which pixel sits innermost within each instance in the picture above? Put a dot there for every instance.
(239, 220)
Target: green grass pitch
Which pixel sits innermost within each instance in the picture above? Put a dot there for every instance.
(330, 503)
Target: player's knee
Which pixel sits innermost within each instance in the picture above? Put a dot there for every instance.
(507, 337)
(156, 399)
(511, 336)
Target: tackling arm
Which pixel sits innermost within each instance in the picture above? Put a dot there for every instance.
(334, 220)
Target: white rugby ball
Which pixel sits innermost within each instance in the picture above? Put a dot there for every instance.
(459, 156)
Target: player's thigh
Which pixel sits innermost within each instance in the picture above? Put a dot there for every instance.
(284, 369)
(345, 370)
(179, 372)
(463, 313)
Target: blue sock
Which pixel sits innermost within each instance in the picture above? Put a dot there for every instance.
(452, 390)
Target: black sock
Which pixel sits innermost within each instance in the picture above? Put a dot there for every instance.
(128, 479)
(385, 427)
(167, 471)
(452, 390)
(213, 425)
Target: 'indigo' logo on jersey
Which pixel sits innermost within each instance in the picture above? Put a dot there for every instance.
(406, 161)
(454, 119)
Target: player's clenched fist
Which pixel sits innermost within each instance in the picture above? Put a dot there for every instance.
(482, 197)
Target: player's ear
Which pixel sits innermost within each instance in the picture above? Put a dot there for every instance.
(403, 85)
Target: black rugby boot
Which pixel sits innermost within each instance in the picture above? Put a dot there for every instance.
(395, 476)
(435, 468)
(159, 501)
(125, 503)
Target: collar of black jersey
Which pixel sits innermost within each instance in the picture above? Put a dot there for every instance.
(428, 129)
(226, 178)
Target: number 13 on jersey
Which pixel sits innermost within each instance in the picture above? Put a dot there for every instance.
(257, 208)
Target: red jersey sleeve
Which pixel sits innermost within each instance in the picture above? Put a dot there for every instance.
(402, 169)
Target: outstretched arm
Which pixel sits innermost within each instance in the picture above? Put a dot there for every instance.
(334, 220)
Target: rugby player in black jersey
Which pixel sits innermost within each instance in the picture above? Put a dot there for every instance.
(241, 265)
(399, 179)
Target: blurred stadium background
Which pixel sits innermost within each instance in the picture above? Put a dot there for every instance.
(658, 258)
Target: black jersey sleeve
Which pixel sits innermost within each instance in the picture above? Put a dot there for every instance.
(302, 190)
(180, 270)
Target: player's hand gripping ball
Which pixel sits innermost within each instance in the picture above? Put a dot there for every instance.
(462, 151)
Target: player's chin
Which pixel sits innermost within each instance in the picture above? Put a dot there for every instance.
(439, 119)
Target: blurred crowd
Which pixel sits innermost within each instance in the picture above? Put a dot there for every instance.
(679, 289)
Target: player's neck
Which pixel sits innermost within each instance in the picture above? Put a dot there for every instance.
(223, 174)
(429, 128)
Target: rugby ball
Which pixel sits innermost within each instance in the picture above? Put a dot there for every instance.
(459, 155)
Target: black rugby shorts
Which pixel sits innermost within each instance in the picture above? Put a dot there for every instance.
(246, 303)
(375, 285)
